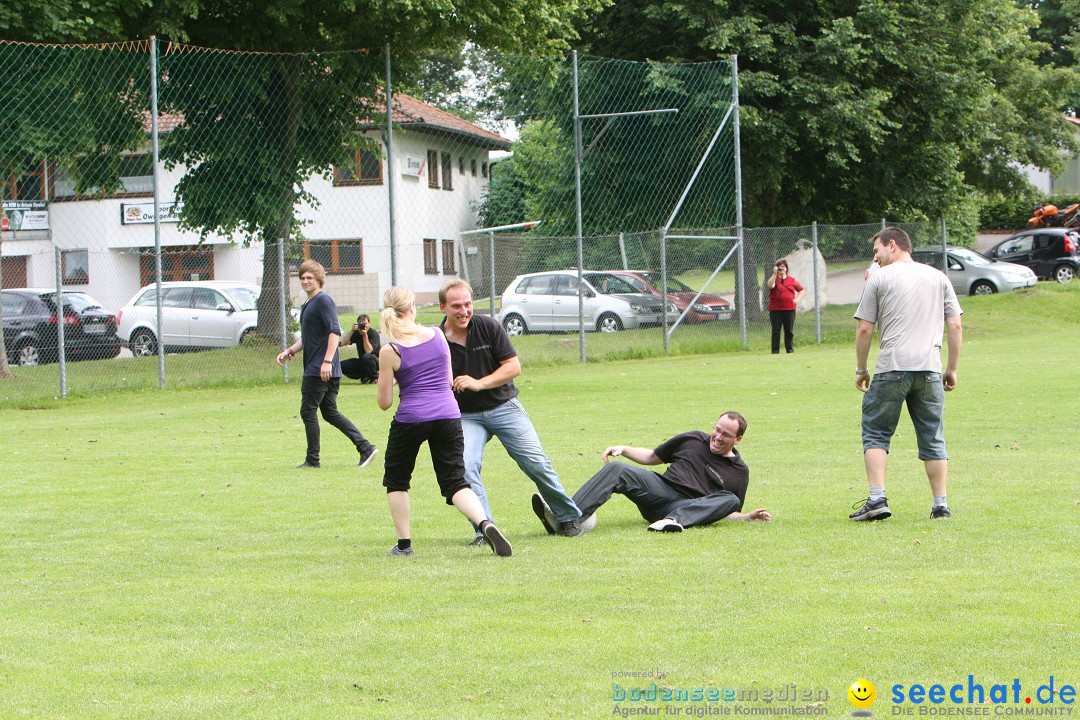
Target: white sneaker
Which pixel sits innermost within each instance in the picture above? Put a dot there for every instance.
(666, 525)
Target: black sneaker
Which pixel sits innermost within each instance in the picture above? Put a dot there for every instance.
(571, 528)
(871, 510)
(543, 512)
(498, 542)
(368, 455)
(307, 464)
(940, 512)
(477, 541)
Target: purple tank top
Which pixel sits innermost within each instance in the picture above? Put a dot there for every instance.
(424, 391)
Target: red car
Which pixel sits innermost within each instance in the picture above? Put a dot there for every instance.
(707, 307)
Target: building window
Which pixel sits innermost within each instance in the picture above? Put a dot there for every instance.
(75, 266)
(431, 256)
(461, 165)
(483, 169)
(337, 256)
(366, 169)
(178, 263)
(472, 165)
(136, 180)
(433, 168)
(447, 172)
(448, 257)
(27, 184)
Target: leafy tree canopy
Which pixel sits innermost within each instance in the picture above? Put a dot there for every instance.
(897, 108)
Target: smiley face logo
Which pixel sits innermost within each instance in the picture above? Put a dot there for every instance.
(862, 693)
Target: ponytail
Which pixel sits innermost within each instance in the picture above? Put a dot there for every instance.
(396, 324)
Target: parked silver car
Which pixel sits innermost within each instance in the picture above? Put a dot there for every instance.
(973, 273)
(548, 301)
(194, 314)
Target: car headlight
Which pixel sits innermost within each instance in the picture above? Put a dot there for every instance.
(636, 307)
(700, 308)
(671, 309)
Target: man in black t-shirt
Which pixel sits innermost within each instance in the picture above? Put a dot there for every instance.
(365, 367)
(705, 480)
(485, 365)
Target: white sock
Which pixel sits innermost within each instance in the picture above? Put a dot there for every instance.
(877, 493)
(941, 501)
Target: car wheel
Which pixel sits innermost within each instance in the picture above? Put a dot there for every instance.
(247, 335)
(1064, 274)
(143, 343)
(983, 288)
(515, 325)
(28, 355)
(609, 323)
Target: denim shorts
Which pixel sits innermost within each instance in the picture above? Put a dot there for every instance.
(925, 397)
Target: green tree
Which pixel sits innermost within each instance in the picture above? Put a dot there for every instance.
(894, 108)
(266, 127)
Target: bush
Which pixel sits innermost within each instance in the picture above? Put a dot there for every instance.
(1013, 213)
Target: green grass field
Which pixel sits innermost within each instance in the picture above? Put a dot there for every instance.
(161, 558)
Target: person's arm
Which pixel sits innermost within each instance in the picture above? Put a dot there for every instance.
(771, 282)
(388, 363)
(642, 456)
(508, 370)
(799, 291)
(288, 353)
(864, 333)
(366, 339)
(327, 369)
(759, 514)
(955, 331)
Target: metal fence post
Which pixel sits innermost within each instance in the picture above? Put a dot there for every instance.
(738, 202)
(817, 289)
(157, 202)
(391, 180)
(577, 205)
(282, 301)
(61, 351)
(944, 247)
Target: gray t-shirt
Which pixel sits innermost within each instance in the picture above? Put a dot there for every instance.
(909, 302)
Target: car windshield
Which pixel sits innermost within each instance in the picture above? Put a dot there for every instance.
(245, 297)
(609, 284)
(75, 301)
(970, 256)
(673, 284)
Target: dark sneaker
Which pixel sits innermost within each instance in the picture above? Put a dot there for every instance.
(940, 512)
(477, 541)
(398, 551)
(571, 528)
(871, 510)
(307, 464)
(543, 512)
(498, 542)
(368, 455)
(666, 525)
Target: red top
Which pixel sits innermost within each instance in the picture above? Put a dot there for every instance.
(782, 294)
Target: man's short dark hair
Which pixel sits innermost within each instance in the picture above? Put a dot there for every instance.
(893, 234)
(362, 318)
(737, 417)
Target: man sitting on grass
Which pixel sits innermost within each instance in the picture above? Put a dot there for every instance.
(705, 480)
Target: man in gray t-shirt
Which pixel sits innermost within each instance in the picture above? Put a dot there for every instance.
(913, 304)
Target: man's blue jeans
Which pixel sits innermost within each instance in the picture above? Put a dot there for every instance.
(511, 424)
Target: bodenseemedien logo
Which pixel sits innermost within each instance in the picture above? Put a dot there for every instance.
(862, 695)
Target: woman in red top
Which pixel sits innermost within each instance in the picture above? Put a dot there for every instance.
(784, 294)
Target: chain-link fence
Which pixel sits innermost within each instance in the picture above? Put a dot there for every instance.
(217, 172)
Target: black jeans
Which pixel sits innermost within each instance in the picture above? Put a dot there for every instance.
(364, 368)
(655, 499)
(446, 443)
(785, 318)
(316, 395)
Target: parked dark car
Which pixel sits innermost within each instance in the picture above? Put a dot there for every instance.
(30, 333)
(1050, 252)
(708, 306)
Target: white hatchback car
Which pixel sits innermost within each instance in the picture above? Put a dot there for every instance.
(548, 301)
(194, 315)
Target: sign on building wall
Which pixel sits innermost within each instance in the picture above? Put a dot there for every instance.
(413, 165)
(25, 215)
(143, 213)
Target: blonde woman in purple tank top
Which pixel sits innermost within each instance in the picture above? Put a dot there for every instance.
(417, 358)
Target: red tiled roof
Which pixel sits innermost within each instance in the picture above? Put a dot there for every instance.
(408, 112)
